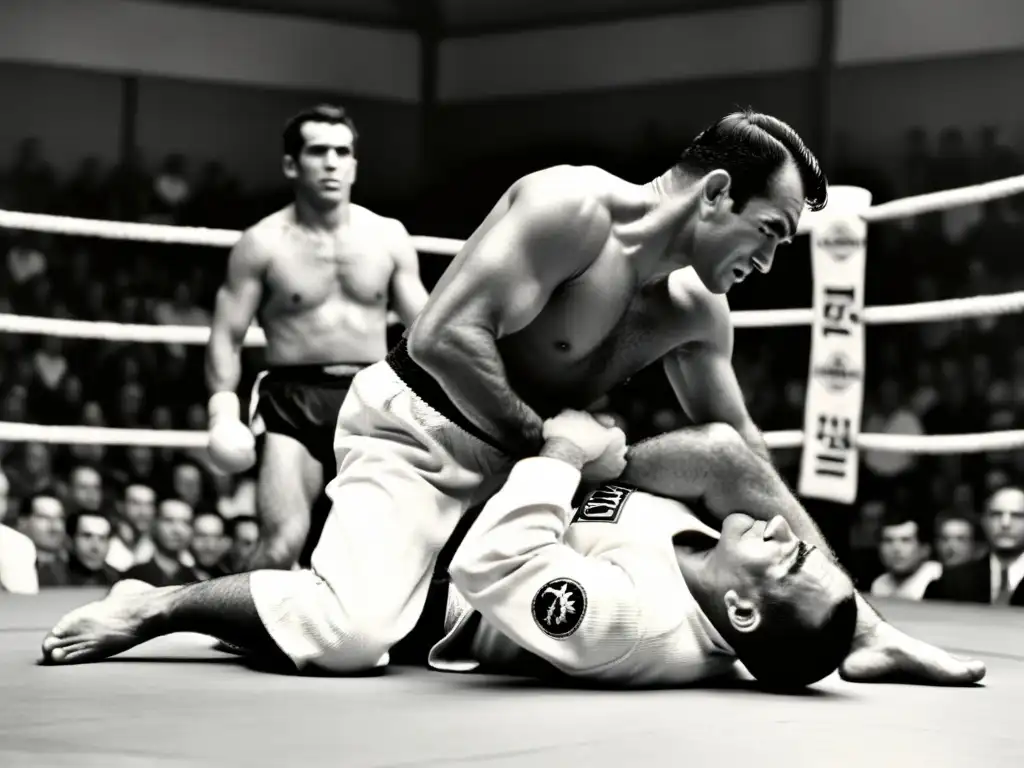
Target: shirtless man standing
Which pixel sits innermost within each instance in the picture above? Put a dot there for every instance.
(575, 281)
(318, 275)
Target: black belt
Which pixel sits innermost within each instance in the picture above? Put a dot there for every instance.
(426, 388)
(311, 374)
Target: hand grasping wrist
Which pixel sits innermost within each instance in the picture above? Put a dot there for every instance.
(564, 450)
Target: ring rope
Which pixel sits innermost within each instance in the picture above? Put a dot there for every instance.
(949, 198)
(790, 438)
(922, 312)
(167, 233)
(934, 311)
(445, 246)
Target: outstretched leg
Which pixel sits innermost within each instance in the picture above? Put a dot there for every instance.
(129, 616)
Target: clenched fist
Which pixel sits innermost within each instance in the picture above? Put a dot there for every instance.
(602, 445)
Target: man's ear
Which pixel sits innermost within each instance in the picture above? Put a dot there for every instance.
(714, 198)
(744, 614)
(290, 167)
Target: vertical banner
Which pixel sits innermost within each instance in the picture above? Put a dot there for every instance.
(835, 380)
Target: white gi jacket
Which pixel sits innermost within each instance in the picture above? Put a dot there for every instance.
(598, 595)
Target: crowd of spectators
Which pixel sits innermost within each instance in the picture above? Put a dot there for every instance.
(95, 513)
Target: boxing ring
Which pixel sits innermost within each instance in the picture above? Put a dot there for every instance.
(193, 706)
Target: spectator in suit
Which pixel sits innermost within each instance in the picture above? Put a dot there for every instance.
(172, 534)
(209, 543)
(90, 539)
(132, 541)
(244, 533)
(42, 520)
(997, 578)
(957, 538)
(906, 557)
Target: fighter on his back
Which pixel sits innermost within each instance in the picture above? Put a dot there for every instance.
(633, 588)
(575, 281)
(318, 274)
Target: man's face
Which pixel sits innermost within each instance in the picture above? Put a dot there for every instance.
(901, 551)
(326, 166)
(173, 529)
(140, 457)
(208, 540)
(140, 508)
(765, 559)
(955, 542)
(86, 489)
(91, 541)
(37, 458)
(730, 245)
(1004, 521)
(247, 536)
(188, 483)
(45, 524)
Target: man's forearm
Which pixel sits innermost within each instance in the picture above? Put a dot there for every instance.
(755, 439)
(223, 364)
(707, 463)
(467, 366)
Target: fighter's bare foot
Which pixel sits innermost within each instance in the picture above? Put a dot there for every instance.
(101, 629)
(888, 655)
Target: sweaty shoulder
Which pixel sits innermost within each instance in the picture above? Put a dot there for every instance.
(266, 237)
(706, 313)
(566, 201)
(384, 226)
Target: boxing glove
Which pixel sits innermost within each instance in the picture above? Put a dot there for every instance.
(231, 444)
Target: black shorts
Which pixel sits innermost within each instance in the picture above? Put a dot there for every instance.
(302, 402)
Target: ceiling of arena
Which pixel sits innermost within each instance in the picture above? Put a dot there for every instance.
(476, 16)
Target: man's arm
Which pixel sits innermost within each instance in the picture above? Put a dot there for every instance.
(715, 464)
(498, 285)
(408, 295)
(701, 373)
(574, 611)
(237, 302)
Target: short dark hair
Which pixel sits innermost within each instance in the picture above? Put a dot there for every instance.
(207, 512)
(951, 515)
(71, 525)
(162, 500)
(786, 652)
(235, 522)
(26, 508)
(321, 113)
(752, 147)
(901, 517)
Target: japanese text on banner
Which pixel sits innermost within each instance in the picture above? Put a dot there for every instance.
(835, 386)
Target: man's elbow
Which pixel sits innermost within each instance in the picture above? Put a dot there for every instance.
(430, 346)
(468, 573)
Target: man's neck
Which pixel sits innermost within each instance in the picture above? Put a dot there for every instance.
(127, 533)
(44, 556)
(1006, 558)
(327, 218)
(166, 562)
(696, 563)
(901, 578)
(660, 241)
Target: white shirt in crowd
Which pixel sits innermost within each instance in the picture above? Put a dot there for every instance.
(910, 588)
